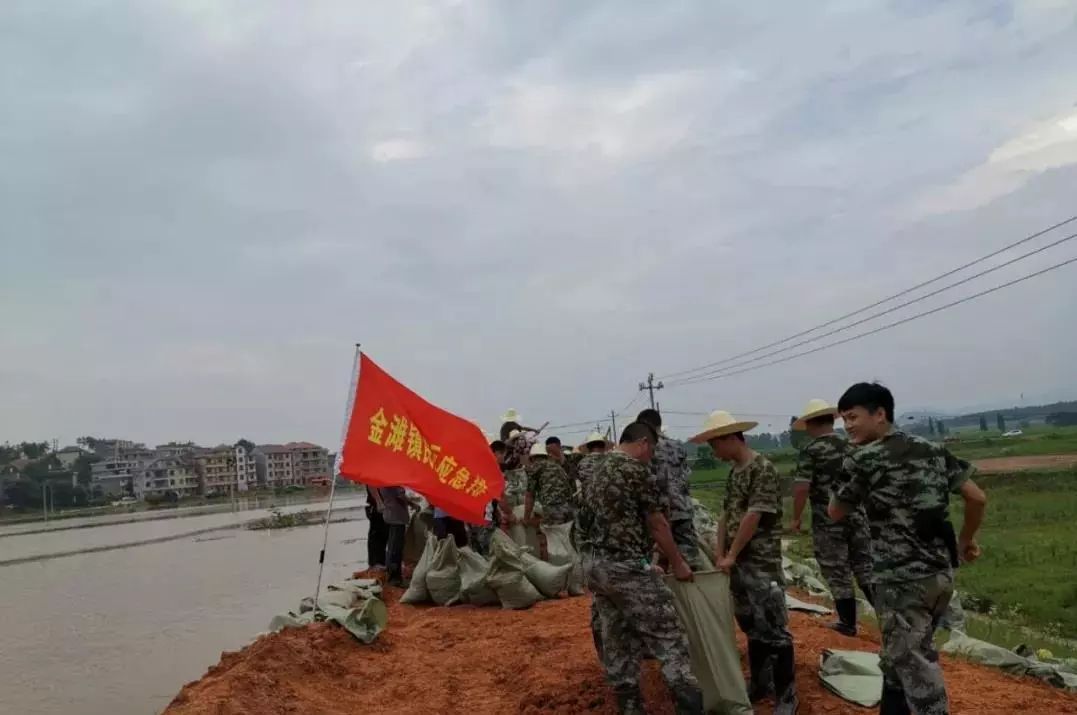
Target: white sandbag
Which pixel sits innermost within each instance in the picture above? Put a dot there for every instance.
(506, 574)
(473, 588)
(526, 536)
(560, 551)
(550, 580)
(443, 577)
(417, 591)
(705, 609)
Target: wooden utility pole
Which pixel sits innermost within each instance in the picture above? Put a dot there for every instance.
(613, 422)
(650, 386)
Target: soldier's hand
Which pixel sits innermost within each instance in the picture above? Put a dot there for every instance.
(725, 564)
(969, 550)
(682, 571)
(794, 526)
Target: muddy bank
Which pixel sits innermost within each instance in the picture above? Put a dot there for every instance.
(472, 660)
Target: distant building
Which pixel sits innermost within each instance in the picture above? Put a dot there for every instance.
(220, 474)
(281, 465)
(161, 475)
(176, 449)
(114, 474)
(246, 468)
(69, 455)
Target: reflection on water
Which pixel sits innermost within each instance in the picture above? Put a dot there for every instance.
(121, 631)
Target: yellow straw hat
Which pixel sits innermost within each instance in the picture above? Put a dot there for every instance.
(538, 449)
(720, 423)
(815, 408)
(511, 416)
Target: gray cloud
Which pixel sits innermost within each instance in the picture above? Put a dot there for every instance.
(206, 204)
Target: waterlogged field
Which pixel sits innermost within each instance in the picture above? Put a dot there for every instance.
(1028, 573)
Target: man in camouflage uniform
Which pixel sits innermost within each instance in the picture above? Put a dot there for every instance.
(670, 470)
(518, 442)
(621, 520)
(749, 549)
(550, 486)
(905, 483)
(842, 548)
(592, 454)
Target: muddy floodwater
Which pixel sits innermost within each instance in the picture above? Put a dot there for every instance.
(113, 630)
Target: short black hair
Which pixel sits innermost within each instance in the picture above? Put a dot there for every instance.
(869, 395)
(637, 431)
(497, 446)
(821, 420)
(553, 440)
(507, 428)
(650, 416)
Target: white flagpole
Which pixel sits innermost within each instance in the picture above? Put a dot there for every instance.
(336, 471)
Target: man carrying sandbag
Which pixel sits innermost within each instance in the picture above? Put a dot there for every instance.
(550, 485)
(749, 549)
(621, 519)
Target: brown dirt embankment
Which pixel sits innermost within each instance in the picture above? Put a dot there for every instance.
(477, 661)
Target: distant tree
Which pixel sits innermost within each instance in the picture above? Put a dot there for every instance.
(245, 444)
(23, 494)
(931, 426)
(1001, 422)
(84, 468)
(705, 458)
(88, 442)
(1062, 419)
(43, 468)
(34, 450)
(941, 427)
(9, 453)
(983, 423)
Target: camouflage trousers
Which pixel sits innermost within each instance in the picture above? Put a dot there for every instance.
(684, 535)
(759, 603)
(632, 609)
(909, 612)
(843, 549)
(515, 488)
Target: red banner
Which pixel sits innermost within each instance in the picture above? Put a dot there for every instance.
(396, 438)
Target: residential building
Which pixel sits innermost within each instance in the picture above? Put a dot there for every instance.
(176, 449)
(69, 455)
(114, 474)
(178, 474)
(246, 468)
(281, 465)
(218, 468)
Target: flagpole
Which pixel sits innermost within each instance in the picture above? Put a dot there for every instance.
(333, 485)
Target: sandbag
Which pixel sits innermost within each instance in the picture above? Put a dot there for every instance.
(443, 577)
(550, 580)
(526, 536)
(560, 551)
(506, 574)
(421, 524)
(417, 591)
(706, 527)
(705, 609)
(473, 588)
(979, 651)
(365, 616)
(853, 675)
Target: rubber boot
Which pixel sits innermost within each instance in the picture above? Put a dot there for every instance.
(846, 623)
(761, 679)
(869, 594)
(893, 702)
(688, 701)
(630, 703)
(785, 684)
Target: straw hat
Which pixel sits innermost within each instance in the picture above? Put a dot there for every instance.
(815, 408)
(720, 423)
(511, 416)
(538, 449)
(595, 437)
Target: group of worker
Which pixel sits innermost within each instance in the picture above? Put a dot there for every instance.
(879, 512)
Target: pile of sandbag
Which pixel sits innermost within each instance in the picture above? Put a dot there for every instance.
(512, 576)
(525, 535)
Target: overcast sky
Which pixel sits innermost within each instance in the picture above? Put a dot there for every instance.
(530, 205)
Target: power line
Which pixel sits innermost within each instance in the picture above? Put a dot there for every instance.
(881, 313)
(888, 326)
(876, 304)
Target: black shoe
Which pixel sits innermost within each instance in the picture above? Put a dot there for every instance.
(846, 624)
(785, 684)
(688, 701)
(893, 702)
(760, 683)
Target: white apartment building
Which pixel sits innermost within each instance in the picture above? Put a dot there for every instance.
(218, 468)
(282, 465)
(115, 474)
(168, 474)
(246, 468)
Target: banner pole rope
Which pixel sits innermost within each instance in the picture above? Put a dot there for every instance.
(349, 403)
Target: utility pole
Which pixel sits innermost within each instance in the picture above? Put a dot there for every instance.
(650, 386)
(613, 421)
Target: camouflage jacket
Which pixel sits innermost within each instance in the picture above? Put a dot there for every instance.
(756, 487)
(571, 465)
(821, 464)
(670, 469)
(588, 464)
(614, 505)
(904, 483)
(549, 484)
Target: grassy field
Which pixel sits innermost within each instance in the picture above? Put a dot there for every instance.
(1035, 442)
(1028, 573)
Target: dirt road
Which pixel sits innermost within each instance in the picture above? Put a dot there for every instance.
(472, 660)
(1015, 464)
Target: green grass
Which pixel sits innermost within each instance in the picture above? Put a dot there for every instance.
(1027, 576)
(1035, 442)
